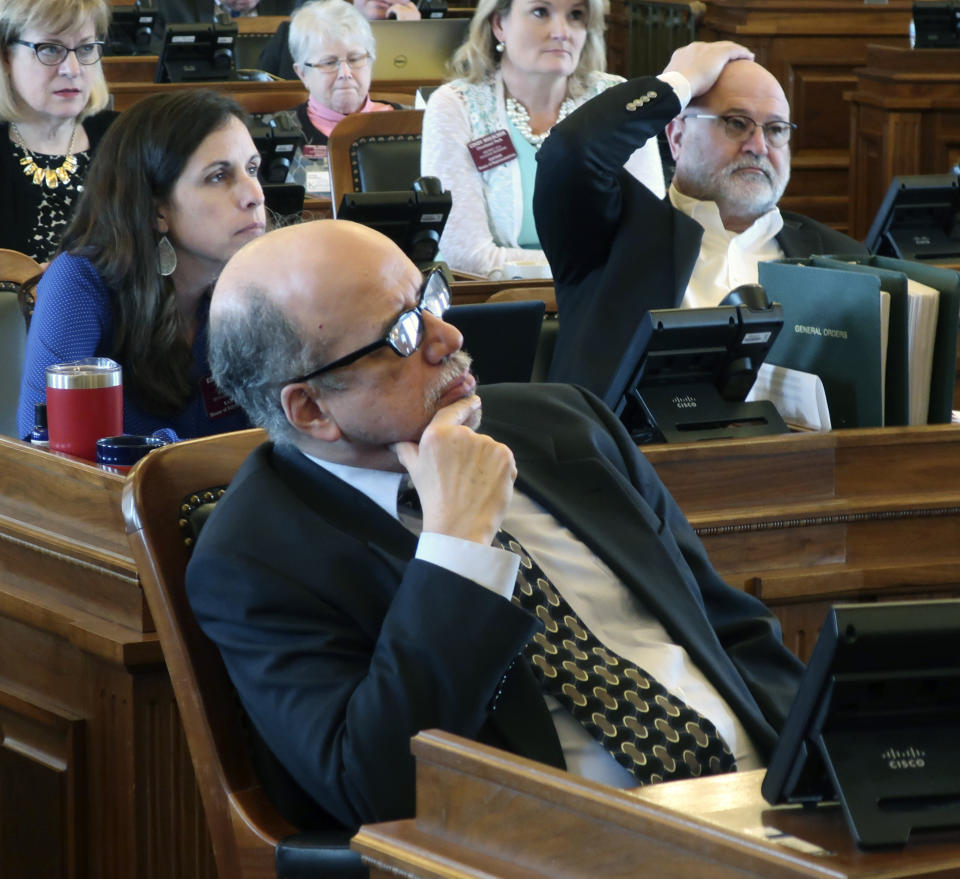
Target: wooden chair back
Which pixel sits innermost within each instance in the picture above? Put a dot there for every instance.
(244, 825)
(16, 306)
(17, 267)
(358, 128)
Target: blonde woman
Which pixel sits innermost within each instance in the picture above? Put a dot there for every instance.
(52, 100)
(524, 66)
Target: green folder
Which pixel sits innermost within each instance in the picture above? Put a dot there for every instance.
(947, 281)
(896, 407)
(832, 328)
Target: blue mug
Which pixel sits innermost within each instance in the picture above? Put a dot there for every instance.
(119, 453)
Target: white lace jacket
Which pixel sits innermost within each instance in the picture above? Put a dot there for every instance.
(487, 213)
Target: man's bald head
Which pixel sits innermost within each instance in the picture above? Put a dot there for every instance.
(740, 82)
(745, 179)
(305, 270)
(284, 303)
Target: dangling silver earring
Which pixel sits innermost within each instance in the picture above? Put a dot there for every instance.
(166, 257)
(500, 47)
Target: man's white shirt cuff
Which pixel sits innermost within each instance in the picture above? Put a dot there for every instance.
(680, 85)
(488, 566)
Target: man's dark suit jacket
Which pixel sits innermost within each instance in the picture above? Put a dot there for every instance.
(342, 648)
(616, 250)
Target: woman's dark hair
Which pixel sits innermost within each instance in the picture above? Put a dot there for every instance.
(135, 169)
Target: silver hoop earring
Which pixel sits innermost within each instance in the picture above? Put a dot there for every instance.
(500, 47)
(166, 257)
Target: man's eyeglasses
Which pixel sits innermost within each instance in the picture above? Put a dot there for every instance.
(330, 65)
(52, 54)
(406, 334)
(741, 128)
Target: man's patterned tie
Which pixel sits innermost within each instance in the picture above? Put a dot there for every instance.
(647, 730)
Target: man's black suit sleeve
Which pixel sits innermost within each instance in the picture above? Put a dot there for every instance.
(340, 651)
(578, 197)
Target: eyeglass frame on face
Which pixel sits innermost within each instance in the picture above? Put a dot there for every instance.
(396, 335)
(63, 51)
(332, 65)
(726, 118)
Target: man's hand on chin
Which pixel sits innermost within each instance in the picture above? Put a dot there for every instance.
(464, 479)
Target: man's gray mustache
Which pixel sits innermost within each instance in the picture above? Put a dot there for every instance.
(757, 163)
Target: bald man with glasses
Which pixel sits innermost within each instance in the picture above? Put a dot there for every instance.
(617, 250)
(350, 617)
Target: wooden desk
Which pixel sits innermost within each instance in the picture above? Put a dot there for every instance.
(812, 47)
(95, 778)
(804, 520)
(467, 292)
(483, 812)
(904, 119)
(130, 78)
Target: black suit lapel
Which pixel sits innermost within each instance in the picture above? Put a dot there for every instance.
(798, 240)
(686, 251)
(570, 474)
(342, 505)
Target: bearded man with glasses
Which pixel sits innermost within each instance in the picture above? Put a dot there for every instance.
(350, 618)
(617, 250)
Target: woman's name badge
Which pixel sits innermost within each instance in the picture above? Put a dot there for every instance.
(215, 402)
(492, 150)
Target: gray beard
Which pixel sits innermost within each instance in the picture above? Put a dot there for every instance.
(733, 195)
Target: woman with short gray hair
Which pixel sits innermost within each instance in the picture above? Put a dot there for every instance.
(333, 50)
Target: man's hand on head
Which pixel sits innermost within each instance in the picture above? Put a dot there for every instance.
(702, 63)
(405, 11)
(464, 479)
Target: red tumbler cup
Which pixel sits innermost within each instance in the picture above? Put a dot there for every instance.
(84, 403)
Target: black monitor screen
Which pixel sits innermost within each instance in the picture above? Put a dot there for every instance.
(413, 220)
(876, 721)
(197, 53)
(918, 219)
(134, 30)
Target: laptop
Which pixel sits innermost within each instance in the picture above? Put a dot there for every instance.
(416, 49)
(501, 337)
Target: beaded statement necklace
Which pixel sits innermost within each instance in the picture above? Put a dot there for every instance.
(49, 177)
(521, 120)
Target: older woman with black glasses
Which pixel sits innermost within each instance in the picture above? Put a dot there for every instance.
(333, 50)
(52, 100)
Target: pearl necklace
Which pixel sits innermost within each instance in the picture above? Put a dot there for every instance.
(521, 120)
(52, 177)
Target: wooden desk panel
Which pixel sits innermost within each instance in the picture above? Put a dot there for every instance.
(806, 519)
(904, 118)
(95, 777)
(483, 812)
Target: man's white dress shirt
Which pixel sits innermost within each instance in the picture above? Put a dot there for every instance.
(614, 614)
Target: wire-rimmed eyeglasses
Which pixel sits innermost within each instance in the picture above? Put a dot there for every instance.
(355, 61)
(406, 333)
(740, 128)
(52, 54)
